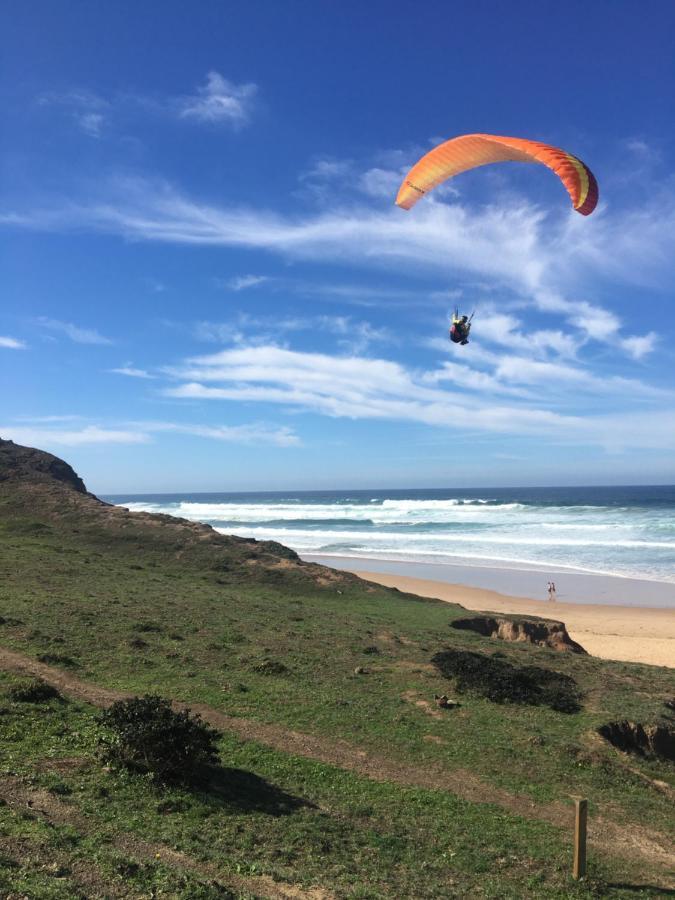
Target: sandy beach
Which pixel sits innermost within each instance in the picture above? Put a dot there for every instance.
(630, 633)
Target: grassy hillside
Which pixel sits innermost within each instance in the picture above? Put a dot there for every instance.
(340, 772)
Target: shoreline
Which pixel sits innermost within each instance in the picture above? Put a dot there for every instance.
(629, 633)
(526, 582)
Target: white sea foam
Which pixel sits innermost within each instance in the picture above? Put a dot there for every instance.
(632, 541)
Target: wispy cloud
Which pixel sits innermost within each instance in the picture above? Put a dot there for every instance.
(640, 345)
(11, 343)
(69, 417)
(327, 169)
(131, 372)
(352, 335)
(88, 110)
(92, 123)
(218, 101)
(90, 434)
(73, 332)
(256, 433)
(243, 282)
(144, 433)
(515, 245)
(454, 396)
(509, 330)
(155, 285)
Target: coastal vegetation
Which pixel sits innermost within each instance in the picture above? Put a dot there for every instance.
(337, 773)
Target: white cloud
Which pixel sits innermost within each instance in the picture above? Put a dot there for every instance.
(131, 372)
(87, 109)
(360, 388)
(356, 337)
(541, 260)
(219, 100)
(92, 123)
(600, 324)
(12, 343)
(514, 373)
(246, 330)
(242, 282)
(327, 169)
(74, 332)
(43, 419)
(218, 332)
(467, 378)
(381, 183)
(257, 433)
(510, 331)
(216, 101)
(142, 433)
(91, 434)
(640, 345)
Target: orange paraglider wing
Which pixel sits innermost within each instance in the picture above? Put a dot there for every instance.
(472, 150)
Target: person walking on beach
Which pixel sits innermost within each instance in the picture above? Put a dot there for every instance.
(551, 591)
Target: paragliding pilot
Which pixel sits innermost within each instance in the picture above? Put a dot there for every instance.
(459, 331)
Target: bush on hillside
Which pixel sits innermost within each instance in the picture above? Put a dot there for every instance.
(501, 682)
(33, 691)
(147, 736)
(59, 659)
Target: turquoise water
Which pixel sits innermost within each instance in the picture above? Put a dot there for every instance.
(624, 531)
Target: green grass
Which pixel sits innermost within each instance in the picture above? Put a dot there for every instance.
(266, 812)
(132, 609)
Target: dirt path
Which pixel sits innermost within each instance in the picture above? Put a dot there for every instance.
(607, 835)
(19, 796)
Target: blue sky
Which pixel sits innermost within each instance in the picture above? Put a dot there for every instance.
(206, 284)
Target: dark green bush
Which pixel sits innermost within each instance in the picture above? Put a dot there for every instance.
(146, 627)
(498, 680)
(34, 691)
(146, 735)
(59, 659)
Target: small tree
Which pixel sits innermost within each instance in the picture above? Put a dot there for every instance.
(146, 735)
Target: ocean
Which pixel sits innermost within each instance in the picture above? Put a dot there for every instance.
(617, 531)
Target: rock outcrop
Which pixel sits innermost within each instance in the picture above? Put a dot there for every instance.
(17, 462)
(543, 632)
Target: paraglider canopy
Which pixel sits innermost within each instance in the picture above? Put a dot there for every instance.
(470, 151)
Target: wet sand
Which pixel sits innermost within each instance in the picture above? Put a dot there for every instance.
(630, 633)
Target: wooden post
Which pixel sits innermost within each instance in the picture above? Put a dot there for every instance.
(580, 818)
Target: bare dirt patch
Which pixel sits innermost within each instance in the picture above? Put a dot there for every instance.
(388, 637)
(429, 708)
(644, 740)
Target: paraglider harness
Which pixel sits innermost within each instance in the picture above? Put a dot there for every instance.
(461, 326)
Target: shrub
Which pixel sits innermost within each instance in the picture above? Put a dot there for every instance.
(59, 659)
(500, 681)
(34, 691)
(146, 735)
(146, 627)
(138, 643)
(270, 667)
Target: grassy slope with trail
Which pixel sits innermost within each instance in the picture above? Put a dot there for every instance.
(136, 603)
